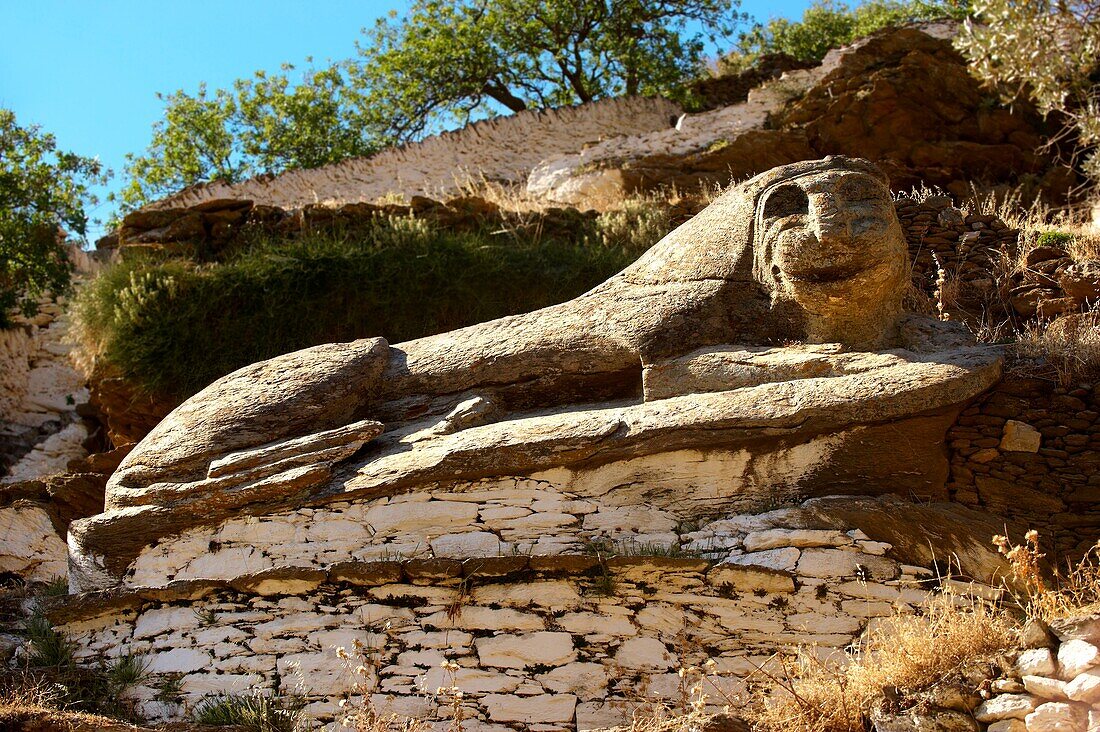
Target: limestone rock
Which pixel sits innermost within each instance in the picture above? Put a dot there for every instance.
(801, 538)
(538, 709)
(936, 720)
(1085, 687)
(1076, 656)
(751, 579)
(1045, 688)
(1020, 437)
(1006, 706)
(1081, 627)
(647, 654)
(585, 680)
(1008, 725)
(1057, 717)
(1036, 662)
(520, 651)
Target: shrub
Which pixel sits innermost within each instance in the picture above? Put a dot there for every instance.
(172, 326)
(827, 24)
(252, 712)
(1057, 239)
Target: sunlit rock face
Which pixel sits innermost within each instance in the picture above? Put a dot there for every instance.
(758, 354)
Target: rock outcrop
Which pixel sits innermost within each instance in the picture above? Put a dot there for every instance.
(901, 97)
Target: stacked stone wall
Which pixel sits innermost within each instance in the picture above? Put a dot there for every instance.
(1029, 450)
(540, 642)
(501, 149)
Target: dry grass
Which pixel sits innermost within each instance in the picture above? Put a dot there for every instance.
(31, 702)
(1071, 347)
(905, 658)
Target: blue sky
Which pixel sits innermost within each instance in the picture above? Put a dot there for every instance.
(89, 70)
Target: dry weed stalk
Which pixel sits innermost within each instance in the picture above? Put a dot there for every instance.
(692, 714)
(358, 711)
(1072, 592)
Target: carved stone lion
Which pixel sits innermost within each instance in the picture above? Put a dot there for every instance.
(776, 311)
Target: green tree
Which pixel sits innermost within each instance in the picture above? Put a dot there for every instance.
(1048, 52)
(450, 61)
(43, 192)
(264, 124)
(827, 24)
(444, 62)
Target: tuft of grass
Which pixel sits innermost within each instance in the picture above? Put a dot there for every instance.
(49, 648)
(630, 547)
(100, 690)
(251, 712)
(57, 587)
(172, 326)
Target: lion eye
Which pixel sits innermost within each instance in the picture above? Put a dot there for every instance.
(786, 201)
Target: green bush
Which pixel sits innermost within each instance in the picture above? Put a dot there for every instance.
(1056, 239)
(827, 24)
(252, 712)
(172, 326)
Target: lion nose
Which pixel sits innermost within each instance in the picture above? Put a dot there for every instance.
(830, 221)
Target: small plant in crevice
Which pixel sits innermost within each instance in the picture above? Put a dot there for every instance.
(454, 608)
(206, 616)
(604, 584)
(56, 587)
(630, 547)
(169, 689)
(49, 648)
(250, 712)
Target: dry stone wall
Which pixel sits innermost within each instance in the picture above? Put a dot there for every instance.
(540, 642)
(501, 149)
(1029, 450)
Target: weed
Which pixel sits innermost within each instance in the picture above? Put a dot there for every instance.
(251, 712)
(1071, 346)
(630, 547)
(205, 616)
(604, 583)
(169, 688)
(50, 648)
(126, 671)
(1074, 591)
(100, 689)
(56, 587)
